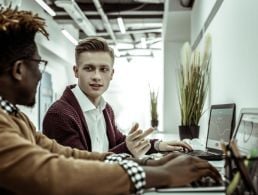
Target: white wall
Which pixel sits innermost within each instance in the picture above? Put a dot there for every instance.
(128, 93)
(176, 30)
(235, 54)
(199, 14)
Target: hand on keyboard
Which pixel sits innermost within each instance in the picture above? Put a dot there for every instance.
(207, 182)
(196, 143)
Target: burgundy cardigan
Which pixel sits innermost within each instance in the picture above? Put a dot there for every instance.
(65, 122)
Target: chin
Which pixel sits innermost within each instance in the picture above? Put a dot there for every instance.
(31, 103)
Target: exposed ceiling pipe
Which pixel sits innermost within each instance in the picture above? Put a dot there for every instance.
(105, 20)
(158, 30)
(72, 8)
(150, 1)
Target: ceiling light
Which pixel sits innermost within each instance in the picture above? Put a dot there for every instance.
(72, 8)
(121, 24)
(69, 37)
(48, 9)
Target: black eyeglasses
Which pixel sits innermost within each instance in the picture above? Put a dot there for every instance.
(42, 64)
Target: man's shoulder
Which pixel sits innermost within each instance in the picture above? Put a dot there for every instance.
(60, 106)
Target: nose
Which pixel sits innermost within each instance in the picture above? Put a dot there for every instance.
(96, 75)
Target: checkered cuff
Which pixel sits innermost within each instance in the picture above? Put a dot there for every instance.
(114, 158)
(136, 173)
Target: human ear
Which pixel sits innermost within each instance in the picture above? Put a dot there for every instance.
(18, 70)
(112, 73)
(75, 70)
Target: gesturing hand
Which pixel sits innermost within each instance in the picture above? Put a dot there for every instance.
(136, 142)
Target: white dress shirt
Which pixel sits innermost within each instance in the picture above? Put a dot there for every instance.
(95, 120)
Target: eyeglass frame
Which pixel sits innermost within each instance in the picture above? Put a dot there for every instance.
(40, 61)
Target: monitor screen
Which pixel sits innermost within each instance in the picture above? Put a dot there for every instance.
(247, 134)
(220, 125)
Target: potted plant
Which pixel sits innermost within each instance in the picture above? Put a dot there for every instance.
(153, 108)
(193, 83)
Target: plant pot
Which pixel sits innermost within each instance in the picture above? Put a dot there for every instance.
(154, 123)
(189, 132)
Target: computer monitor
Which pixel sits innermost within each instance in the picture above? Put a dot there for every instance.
(246, 132)
(221, 125)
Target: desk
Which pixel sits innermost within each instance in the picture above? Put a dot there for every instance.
(169, 136)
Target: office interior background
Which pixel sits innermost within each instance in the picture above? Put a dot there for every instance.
(234, 67)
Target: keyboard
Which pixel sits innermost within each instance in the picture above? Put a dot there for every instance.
(205, 184)
(205, 155)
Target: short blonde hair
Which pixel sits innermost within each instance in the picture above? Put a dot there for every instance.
(93, 44)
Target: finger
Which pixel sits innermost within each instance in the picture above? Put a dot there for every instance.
(143, 148)
(135, 135)
(208, 172)
(147, 132)
(183, 144)
(200, 164)
(173, 148)
(134, 128)
(143, 135)
(206, 165)
(142, 144)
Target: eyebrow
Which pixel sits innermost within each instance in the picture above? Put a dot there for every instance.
(102, 65)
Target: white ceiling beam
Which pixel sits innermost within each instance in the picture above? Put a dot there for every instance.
(72, 8)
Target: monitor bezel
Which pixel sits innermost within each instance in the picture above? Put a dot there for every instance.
(221, 106)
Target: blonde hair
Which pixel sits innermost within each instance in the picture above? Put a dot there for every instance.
(93, 44)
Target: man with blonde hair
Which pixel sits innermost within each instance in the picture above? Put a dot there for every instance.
(81, 118)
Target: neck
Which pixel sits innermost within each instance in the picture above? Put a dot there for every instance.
(6, 93)
(95, 101)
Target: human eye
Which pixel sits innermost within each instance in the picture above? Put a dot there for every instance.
(105, 69)
(88, 68)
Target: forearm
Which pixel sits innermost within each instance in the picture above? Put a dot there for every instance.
(37, 171)
(54, 147)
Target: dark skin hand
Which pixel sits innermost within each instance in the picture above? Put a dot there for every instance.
(179, 170)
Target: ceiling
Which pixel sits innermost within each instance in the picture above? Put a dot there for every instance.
(143, 20)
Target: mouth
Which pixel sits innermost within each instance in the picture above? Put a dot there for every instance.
(95, 86)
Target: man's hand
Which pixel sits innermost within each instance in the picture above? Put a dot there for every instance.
(165, 146)
(179, 170)
(185, 169)
(136, 142)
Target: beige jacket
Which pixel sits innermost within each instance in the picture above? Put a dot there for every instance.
(30, 163)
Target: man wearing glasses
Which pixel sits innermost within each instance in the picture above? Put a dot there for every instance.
(30, 163)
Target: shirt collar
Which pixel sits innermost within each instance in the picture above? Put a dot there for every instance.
(85, 103)
(8, 106)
